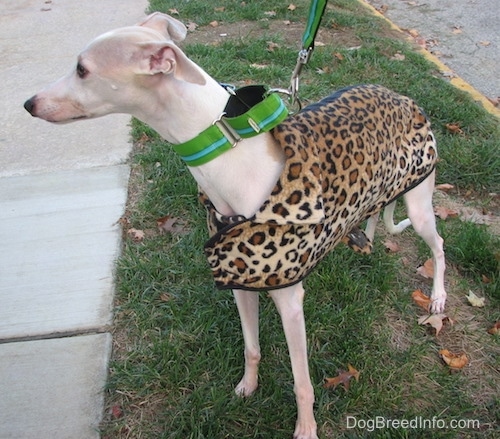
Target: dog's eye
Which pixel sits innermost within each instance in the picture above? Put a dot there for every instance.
(81, 71)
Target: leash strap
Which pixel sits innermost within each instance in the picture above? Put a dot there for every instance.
(316, 11)
(263, 112)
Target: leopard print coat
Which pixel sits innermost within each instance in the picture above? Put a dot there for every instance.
(346, 158)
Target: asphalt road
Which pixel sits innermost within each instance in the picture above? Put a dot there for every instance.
(463, 34)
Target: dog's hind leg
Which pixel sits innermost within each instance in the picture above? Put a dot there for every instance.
(371, 225)
(248, 308)
(289, 302)
(420, 211)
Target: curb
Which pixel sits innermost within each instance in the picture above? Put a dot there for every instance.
(456, 81)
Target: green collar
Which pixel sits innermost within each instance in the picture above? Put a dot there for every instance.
(226, 132)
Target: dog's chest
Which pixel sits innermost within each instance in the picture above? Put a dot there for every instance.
(346, 158)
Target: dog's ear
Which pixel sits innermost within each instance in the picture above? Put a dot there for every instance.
(167, 58)
(168, 26)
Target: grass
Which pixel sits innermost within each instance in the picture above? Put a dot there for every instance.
(177, 340)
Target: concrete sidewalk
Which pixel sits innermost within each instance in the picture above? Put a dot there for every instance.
(62, 190)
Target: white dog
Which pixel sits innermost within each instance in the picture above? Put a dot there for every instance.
(139, 70)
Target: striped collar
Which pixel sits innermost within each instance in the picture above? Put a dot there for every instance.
(250, 111)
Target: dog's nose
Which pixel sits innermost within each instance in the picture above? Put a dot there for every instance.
(29, 105)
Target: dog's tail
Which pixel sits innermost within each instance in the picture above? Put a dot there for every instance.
(389, 220)
(392, 228)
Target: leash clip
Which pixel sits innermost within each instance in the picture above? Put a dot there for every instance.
(293, 100)
(227, 130)
(302, 60)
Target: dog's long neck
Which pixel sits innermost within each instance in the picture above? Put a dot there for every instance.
(238, 181)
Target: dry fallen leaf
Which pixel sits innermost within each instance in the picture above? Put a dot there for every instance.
(475, 300)
(270, 13)
(435, 320)
(444, 187)
(485, 43)
(421, 41)
(135, 234)
(485, 279)
(413, 32)
(259, 66)
(495, 329)
(421, 299)
(220, 9)
(494, 101)
(454, 361)
(398, 57)
(165, 297)
(383, 9)
(214, 23)
(292, 7)
(457, 30)
(427, 270)
(339, 56)
(116, 412)
(454, 128)
(391, 246)
(343, 378)
(475, 216)
(445, 212)
(171, 224)
(191, 26)
(124, 222)
(272, 45)
(173, 12)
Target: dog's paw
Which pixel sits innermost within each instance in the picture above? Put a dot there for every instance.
(305, 431)
(246, 387)
(438, 303)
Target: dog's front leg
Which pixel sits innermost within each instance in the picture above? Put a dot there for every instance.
(289, 302)
(248, 308)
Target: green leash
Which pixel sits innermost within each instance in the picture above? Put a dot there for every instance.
(316, 11)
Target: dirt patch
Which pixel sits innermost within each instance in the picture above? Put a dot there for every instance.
(467, 211)
(468, 333)
(288, 32)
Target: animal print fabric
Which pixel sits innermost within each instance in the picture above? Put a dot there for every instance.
(346, 158)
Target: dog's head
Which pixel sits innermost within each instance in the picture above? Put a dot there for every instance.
(117, 71)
